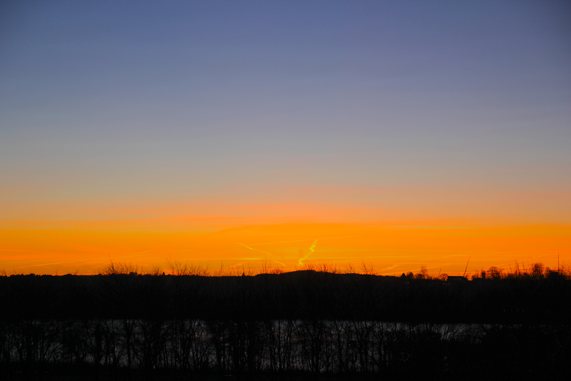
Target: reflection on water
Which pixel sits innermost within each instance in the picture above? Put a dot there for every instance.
(236, 346)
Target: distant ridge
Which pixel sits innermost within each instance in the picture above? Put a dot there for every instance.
(304, 294)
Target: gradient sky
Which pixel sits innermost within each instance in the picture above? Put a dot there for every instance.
(284, 134)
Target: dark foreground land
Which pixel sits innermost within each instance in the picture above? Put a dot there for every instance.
(293, 326)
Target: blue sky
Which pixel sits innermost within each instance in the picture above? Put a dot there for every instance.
(178, 100)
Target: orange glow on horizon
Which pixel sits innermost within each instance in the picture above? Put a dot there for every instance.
(379, 247)
(229, 236)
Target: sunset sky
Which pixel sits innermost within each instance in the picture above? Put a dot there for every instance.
(247, 136)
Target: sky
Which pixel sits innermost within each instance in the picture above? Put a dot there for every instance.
(234, 136)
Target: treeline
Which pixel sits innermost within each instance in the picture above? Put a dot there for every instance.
(114, 349)
(286, 326)
(534, 297)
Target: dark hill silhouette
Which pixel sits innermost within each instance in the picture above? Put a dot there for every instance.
(295, 295)
(292, 326)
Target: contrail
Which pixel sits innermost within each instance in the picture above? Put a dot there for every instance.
(267, 253)
(311, 250)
